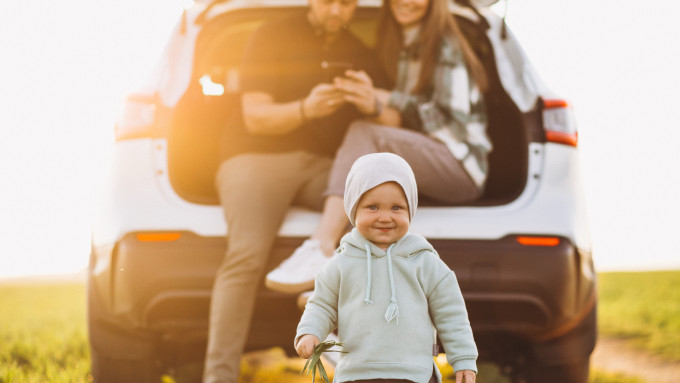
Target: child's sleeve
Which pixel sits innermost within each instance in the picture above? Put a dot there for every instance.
(320, 317)
(449, 315)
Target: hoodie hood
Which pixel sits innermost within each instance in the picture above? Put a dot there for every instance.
(376, 169)
(410, 245)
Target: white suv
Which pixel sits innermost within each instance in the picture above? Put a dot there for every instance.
(522, 253)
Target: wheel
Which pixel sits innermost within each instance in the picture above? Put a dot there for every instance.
(566, 359)
(563, 373)
(111, 370)
(118, 355)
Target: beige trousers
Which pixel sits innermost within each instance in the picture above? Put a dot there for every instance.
(255, 191)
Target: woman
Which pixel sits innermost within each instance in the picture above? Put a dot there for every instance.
(437, 105)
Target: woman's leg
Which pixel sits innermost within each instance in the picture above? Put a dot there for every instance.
(439, 175)
(332, 226)
(296, 273)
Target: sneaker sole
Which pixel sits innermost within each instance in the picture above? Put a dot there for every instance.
(291, 288)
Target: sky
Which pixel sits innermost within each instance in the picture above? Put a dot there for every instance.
(66, 67)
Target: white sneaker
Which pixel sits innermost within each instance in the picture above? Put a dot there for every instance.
(296, 274)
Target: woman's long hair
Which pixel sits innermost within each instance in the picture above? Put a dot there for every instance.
(437, 24)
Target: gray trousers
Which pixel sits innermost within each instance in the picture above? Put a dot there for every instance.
(255, 191)
(439, 175)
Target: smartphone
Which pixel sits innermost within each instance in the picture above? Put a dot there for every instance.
(335, 69)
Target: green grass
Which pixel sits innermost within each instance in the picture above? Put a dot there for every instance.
(643, 308)
(43, 335)
(605, 377)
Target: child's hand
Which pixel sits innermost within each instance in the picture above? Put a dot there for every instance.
(467, 376)
(305, 345)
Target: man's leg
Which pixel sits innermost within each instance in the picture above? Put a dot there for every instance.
(255, 191)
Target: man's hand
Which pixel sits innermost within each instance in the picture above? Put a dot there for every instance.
(263, 116)
(465, 376)
(322, 100)
(305, 345)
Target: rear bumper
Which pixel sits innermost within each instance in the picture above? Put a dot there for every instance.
(536, 293)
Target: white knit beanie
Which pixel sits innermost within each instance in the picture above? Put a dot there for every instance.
(375, 169)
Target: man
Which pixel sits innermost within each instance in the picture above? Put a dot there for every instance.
(294, 119)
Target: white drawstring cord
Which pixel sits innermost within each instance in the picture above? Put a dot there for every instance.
(368, 300)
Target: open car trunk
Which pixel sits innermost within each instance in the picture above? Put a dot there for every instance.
(209, 112)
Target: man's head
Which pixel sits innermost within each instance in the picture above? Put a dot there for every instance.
(373, 170)
(331, 15)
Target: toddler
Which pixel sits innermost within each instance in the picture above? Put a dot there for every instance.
(386, 290)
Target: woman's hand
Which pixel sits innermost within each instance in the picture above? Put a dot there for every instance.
(305, 345)
(358, 90)
(465, 376)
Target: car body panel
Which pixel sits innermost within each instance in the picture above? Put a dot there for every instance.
(140, 197)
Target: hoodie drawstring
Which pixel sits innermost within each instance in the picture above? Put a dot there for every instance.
(392, 309)
(368, 300)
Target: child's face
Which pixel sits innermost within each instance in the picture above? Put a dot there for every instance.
(382, 214)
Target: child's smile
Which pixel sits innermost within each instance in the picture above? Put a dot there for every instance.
(382, 214)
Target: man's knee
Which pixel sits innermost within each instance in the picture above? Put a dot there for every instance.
(239, 173)
(245, 266)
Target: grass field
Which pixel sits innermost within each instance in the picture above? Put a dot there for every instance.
(43, 335)
(644, 308)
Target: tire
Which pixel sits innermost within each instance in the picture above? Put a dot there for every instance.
(566, 359)
(564, 373)
(110, 370)
(118, 355)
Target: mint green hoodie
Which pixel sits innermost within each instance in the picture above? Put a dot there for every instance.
(353, 293)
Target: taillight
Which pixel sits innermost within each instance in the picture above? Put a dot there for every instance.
(538, 241)
(137, 118)
(559, 123)
(158, 237)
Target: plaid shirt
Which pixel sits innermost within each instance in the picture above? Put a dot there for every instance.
(452, 111)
